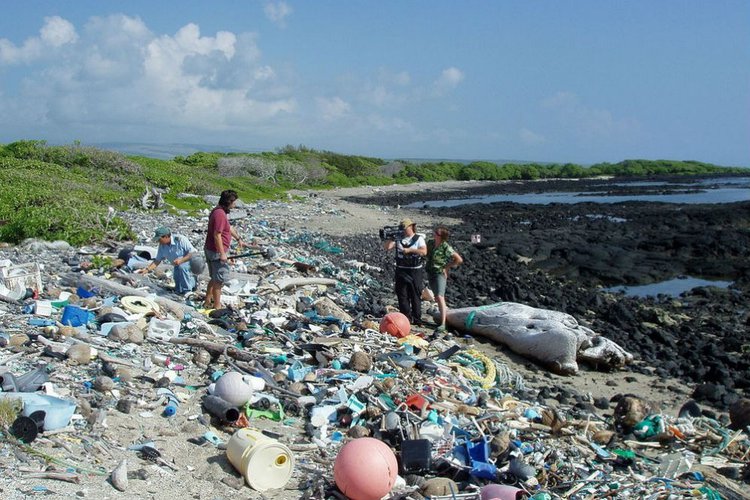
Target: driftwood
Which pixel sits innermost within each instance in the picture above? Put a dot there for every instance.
(68, 477)
(72, 279)
(215, 348)
(288, 283)
(551, 337)
(9, 300)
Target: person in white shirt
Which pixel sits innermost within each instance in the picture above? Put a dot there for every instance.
(411, 249)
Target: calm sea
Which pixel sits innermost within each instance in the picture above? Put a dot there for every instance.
(714, 190)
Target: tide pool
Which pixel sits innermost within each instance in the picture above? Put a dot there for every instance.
(673, 287)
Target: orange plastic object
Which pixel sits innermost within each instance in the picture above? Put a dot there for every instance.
(396, 324)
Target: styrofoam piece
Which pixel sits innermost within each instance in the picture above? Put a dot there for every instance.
(163, 329)
(43, 308)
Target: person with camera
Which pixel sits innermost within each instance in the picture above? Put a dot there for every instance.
(440, 257)
(410, 252)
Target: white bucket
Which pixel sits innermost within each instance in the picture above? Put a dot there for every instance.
(264, 462)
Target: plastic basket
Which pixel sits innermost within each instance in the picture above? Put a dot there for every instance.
(23, 276)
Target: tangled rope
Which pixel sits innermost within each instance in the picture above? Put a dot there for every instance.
(490, 373)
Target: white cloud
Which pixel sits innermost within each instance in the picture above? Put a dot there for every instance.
(529, 137)
(56, 33)
(278, 12)
(448, 80)
(333, 108)
(120, 74)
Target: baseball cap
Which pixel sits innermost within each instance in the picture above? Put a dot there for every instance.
(162, 231)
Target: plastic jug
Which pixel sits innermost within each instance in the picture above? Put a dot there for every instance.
(263, 462)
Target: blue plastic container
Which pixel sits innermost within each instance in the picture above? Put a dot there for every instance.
(76, 316)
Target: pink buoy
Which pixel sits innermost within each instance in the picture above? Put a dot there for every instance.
(365, 469)
(396, 324)
(501, 492)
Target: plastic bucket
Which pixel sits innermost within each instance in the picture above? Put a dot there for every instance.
(263, 462)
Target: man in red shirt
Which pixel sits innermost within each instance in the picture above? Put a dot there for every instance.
(218, 239)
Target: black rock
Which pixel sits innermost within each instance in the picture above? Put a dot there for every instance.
(601, 403)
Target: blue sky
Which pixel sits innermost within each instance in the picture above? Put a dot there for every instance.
(574, 81)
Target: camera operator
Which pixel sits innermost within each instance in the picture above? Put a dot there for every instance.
(410, 252)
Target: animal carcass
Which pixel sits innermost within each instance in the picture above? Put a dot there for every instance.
(553, 338)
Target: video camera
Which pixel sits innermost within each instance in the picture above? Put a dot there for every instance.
(390, 232)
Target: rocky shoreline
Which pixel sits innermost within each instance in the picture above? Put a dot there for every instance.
(560, 256)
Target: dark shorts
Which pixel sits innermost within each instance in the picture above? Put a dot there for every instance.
(217, 270)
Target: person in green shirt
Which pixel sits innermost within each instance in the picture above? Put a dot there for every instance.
(441, 256)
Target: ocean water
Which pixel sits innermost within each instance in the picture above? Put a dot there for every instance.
(673, 287)
(708, 191)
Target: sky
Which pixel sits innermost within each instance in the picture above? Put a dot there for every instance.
(580, 81)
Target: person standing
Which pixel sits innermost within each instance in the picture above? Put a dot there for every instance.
(410, 252)
(440, 258)
(176, 249)
(218, 240)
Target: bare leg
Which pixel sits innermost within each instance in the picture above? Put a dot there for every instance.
(208, 301)
(443, 309)
(217, 295)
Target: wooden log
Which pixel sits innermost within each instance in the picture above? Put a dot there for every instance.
(9, 300)
(215, 348)
(288, 283)
(72, 279)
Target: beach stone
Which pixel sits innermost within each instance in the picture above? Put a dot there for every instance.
(603, 436)
(136, 335)
(388, 384)
(499, 444)
(103, 384)
(709, 392)
(78, 354)
(358, 431)
(124, 373)
(739, 414)
(439, 486)
(84, 407)
(68, 331)
(602, 403)
(119, 333)
(327, 307)
(360, 361)
(18, 339)
(298, 387)
(631, 410)
(202, 357)
(125, 405)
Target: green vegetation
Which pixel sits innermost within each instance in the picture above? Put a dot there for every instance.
(65, 192)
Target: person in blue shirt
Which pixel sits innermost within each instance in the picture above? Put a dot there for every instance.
(176, 249)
